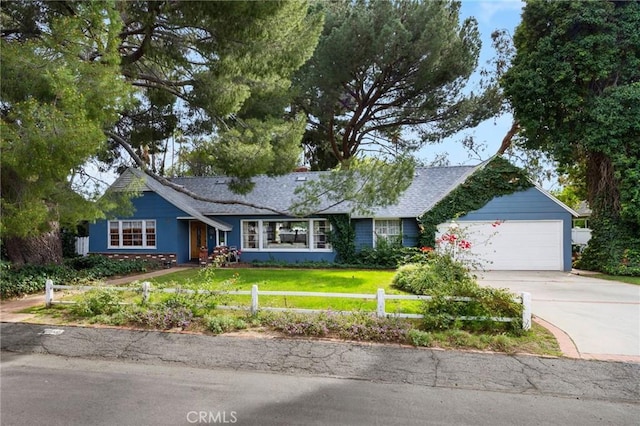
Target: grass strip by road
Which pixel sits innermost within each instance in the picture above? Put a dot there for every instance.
(619, 278)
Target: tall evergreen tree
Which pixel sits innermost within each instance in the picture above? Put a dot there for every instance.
(83, 80)
(575, 88)
(61, 87)
(382, 68)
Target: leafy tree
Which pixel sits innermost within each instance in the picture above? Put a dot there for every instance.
(59, 90)
(384, 67)
(85, 80)
(575, 88)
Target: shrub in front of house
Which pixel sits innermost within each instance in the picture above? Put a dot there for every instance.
(101, 301)
(442, 277)
(434, 271)
(442, 312)
(28, 279)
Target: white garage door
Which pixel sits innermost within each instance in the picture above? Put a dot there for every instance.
(513, 244)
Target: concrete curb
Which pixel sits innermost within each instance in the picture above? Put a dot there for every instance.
(567, 346)
(569, 349)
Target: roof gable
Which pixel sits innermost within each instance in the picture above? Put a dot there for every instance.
(137, 180)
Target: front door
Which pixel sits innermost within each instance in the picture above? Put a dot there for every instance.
(198, 238)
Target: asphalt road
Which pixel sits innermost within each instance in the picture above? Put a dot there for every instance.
(52, 390)
(601, 317)
(79, 376)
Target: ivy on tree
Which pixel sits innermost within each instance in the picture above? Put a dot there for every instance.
(574, 85)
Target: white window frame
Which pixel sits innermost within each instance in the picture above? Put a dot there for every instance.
(377, 235)
(145, 223)
(311, 236)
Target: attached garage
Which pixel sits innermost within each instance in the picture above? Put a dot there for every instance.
(534, 232)
(515, 244)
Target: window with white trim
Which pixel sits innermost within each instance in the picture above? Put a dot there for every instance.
(250, 234)
(132, 234)
(283, 234)
(388, 229)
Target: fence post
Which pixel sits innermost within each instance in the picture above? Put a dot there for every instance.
(526, 310)
(146, 286)
(254, 299)
(380, 310)
(48, 293)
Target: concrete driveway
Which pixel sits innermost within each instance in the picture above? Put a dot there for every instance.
(601, 317)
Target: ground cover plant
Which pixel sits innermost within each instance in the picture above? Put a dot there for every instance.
(28, 279)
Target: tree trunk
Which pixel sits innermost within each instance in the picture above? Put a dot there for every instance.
(603, 193)
(41, 250)
(506, 141)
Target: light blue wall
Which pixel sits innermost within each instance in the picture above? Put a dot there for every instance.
(527, 205)
(172, 235)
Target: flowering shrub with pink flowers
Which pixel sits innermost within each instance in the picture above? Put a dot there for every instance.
(445, 271)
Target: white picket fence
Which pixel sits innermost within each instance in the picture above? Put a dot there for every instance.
(82, 246)
(381, 297)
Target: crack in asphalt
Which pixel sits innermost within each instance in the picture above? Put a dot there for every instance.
(380, 363)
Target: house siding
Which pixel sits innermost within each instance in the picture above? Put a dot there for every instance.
(172, 235)
(410, 232)
(364, 233)
(527, 205)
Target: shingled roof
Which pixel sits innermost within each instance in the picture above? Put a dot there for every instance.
(429, 186)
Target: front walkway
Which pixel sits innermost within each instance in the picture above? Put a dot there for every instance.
(10, 309)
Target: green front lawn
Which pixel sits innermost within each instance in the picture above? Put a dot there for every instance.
(312, 280)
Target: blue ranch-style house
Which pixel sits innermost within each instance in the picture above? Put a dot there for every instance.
(168, 225)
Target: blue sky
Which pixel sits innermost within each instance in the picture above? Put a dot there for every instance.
(491, 15)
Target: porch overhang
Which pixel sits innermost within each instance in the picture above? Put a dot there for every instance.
(211, 222)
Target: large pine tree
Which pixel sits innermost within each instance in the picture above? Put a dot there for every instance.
(112, 80)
